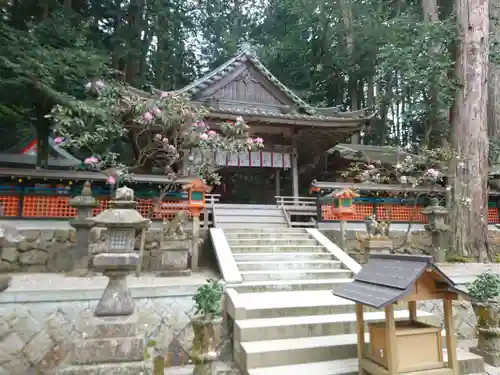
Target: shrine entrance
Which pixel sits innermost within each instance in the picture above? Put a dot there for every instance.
(245, 185)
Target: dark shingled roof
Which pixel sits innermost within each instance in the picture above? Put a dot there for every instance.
(387, 278)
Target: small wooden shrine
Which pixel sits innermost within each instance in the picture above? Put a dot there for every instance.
(409, 347)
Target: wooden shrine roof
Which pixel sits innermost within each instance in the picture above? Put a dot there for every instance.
(368, 153)
(243, 86)
(385, 279)
(88, 175)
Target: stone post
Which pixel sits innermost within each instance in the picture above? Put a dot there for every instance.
(195, 241)
(437, 227)
(81, 255)
(110, 342)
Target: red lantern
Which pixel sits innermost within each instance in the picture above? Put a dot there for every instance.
(342, 205)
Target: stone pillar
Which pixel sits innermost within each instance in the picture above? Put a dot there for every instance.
(437, 227)
(111, 343)
(84, 204)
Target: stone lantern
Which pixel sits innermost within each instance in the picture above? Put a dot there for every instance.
(122, 221)
(436, 225)
(84, 204)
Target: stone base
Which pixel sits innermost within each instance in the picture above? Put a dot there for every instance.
(492, 359)
(173, 273)
(377, 246)
(176, 259)
(121, 368)
(110, 345)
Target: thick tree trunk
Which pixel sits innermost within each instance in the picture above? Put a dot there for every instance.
(494, 74)
(470, 138)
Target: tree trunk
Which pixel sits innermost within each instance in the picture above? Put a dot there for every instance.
(470, 138)
(494, 74)
(436, 128)
(349, 41)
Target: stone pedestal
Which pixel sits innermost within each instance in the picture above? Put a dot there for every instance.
(488, 331)
(376, 246)
(174, 258)
(109, 345)
(205, 344)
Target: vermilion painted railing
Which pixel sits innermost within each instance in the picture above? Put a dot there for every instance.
(57, 207)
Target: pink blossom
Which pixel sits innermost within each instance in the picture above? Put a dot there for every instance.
(212, 132)
(239, 119)
(433, 173)
(158, 136)
(148, 116)
(90, 160)
(258, 140)
(111, 180)
(157, 111)
(204, 136)
(58, 140)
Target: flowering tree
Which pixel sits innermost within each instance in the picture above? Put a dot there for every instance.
(425, 169)
(123, 131)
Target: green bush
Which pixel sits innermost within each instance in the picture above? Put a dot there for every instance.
(485, 287)
(208, 297)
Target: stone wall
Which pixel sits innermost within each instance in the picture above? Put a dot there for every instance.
(36, 337)
(463, 316)
(419, 241)
(47, 250)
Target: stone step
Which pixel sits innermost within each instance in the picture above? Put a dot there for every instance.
(288, 285)
(295, 351)
(313, 325)
(296, 303)
(467, 362)
(288, 265)
(295, 274)
(278, 257)
(242, 224)
(277, 249)
(299, 241)
(265, 230)
(277, 234)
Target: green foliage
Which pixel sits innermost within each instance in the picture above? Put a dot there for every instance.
(485, 287)
(208, 298)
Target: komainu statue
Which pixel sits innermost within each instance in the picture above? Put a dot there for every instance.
(377, 229)
(174, 230)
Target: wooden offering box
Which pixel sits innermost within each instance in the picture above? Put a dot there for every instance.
(408, 347)
(409, 336)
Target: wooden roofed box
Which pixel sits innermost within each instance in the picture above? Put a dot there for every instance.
(409, 347)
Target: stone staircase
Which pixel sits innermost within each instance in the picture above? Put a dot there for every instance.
(245, 215)
(286, 320)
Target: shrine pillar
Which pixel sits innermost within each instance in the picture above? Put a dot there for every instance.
(295, 169)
